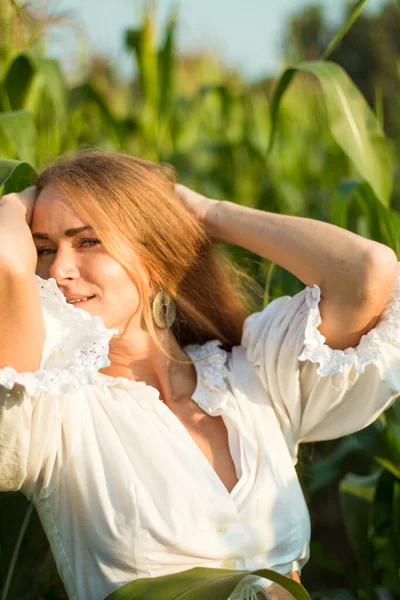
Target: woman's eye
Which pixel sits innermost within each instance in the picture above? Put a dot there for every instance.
(46, 251)
(43, 251)
(94, 240)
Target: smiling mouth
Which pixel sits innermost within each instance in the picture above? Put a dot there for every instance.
(80, 301)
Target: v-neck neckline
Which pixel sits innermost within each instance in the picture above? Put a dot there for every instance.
(208, 469)
(201, 396)
(204, 388)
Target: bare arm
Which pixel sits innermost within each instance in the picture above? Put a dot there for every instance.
(355, 275)
(22, 329)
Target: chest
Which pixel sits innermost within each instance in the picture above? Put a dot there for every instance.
(163, 484)
(211, 436)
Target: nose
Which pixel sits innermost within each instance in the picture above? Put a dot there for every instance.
(64, 265)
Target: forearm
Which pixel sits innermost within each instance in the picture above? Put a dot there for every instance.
(339, 261)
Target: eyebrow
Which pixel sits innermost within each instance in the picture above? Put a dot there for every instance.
(67, 233)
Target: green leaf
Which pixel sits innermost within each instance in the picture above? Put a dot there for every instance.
(357, 495)
(19, 127)
(199, 583)
(396, 513)
(352, 18)
(15, 175)
(18, 80)
(382, 443)
(142, 42)
(322, 471)
(166, 63)
(268, 283)
(334, 594)
(28, 77)
(383, 224)
(342, 202)
(53, 80)
(14, 556)
(385, 545)
(351, 121)
(86, 94)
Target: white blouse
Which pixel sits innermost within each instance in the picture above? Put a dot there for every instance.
(121, 488)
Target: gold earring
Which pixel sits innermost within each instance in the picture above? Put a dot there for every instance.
(164, 310)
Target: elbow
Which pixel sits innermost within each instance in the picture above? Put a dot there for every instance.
(381, 274)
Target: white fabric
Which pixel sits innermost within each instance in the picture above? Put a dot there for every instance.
(122, 489)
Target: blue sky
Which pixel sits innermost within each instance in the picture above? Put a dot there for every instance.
(246, 33)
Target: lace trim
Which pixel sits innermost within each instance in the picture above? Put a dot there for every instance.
(210, 363)
(332, 361)
(75, 348)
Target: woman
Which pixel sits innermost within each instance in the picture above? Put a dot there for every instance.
(148, 446)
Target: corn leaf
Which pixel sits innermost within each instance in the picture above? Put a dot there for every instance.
(396, 513)
(14, 556)
(18, 81)
(166, 65)
(386, 547)
(86, 94)
(15, 175)
(26, 79)
(53, 81)
(342, 202)
(324, 470)
(19, 127)
(142, 42)
(381, 442)
(199, 583)
(357, 495)
(382, 223)
(353, 17)
(351, 121)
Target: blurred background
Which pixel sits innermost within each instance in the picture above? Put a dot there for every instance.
(255, 102)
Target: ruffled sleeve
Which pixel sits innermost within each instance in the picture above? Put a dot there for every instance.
(319, 393)
(31, 403)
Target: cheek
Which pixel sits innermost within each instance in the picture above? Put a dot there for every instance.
(119, 285)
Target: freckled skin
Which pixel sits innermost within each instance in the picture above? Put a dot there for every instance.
(83, 267)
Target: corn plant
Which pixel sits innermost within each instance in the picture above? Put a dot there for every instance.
(199, 583)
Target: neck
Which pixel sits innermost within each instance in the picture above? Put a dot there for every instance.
(138, 357)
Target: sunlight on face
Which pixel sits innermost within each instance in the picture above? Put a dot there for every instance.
(69, 251)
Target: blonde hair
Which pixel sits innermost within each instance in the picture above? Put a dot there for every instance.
(132, 206)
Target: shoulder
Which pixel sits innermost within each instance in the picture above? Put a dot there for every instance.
(76, 346)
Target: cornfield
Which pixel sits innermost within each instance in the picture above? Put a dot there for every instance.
(308, 146)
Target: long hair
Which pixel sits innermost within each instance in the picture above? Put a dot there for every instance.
(132, 206)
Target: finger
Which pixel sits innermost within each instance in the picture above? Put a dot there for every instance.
(186, 193)
(182, 189)
(29, 192)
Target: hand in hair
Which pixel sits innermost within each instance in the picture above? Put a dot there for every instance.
(27, 199)
(198, 205)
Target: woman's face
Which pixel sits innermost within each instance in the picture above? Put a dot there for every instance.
(69, 251)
